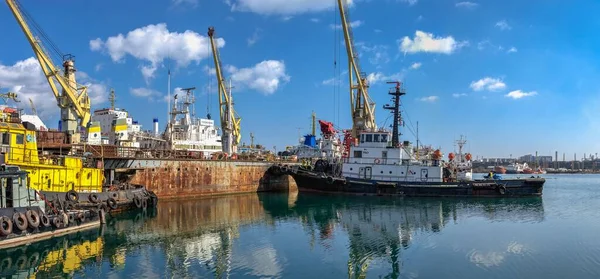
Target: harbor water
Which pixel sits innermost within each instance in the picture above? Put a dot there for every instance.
(298, 235)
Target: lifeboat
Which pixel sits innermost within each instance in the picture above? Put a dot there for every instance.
(451, 156)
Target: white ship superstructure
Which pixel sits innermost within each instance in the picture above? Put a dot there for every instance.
(186, 132)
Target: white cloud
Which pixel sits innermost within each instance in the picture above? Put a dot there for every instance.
(264, 77)
(193, 3)
(491, 84)
(415, 65)
(466, 4)
(377, 31)
(377, 77)
(503, 25)
(353, 24)
(255, 36)
(98, 67)
(420, 18)
(518, 94)
(429, 99)
(282, 7)
(155, 43)
(286, 18)
(409, 2)
(331, 81)
(378, 53)
(96, 44)
(426, 42)
(144, 92)
(458, 95)
(26, 78)
(315, 20)
(512, 49)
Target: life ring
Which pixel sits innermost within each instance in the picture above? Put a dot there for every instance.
(144, 203)
(93, 198)
(81, 217)
(137, 201)
(20, 221)
(57, 222)
(6, 226)
(501, 189)
(329, 180)
(112, 203)
(33, 218)
(45, 220)
(377, 161)
(72, 196)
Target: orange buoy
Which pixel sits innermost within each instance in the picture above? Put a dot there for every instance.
(451, 156)
(468, 157)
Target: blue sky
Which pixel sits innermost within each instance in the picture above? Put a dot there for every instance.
(515, 77)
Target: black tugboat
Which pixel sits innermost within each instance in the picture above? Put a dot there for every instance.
(380, 164)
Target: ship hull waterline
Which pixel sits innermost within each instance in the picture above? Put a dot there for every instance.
(314, 182)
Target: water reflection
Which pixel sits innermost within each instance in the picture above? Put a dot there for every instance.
(266, 235)
(379, 228)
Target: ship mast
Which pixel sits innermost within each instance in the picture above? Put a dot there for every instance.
(396, 92)
(461, 142)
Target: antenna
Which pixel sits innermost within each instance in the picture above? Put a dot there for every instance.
(168, 93)
(112, 99)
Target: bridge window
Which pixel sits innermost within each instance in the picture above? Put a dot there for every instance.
(357, 154)
(5, 138)
(20, 139)
(376, 138)
(384, 138)
(369, 138)
(362, 138)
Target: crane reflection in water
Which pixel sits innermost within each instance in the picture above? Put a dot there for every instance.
(244, 236)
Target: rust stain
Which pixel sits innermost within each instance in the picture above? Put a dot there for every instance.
(182, 178)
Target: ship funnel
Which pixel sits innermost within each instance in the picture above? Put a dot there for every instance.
(155, 122)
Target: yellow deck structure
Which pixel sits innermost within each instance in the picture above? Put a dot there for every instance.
(46, 173)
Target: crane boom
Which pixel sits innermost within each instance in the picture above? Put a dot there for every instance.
(361, 106)
(230, 121)
(73, 100)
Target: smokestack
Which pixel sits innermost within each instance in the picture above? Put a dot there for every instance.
(155, 121)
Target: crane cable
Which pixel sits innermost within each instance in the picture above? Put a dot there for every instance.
(40, 31)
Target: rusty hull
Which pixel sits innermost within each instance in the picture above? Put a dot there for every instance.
(194, 178)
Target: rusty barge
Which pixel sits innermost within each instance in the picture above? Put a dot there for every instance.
(176, 173)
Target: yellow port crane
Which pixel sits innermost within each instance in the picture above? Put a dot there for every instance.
(362, 107)
(73, 100)
(230, 121)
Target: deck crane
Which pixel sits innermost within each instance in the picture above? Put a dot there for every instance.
(230, 121)
(73, 100)
(361, 105)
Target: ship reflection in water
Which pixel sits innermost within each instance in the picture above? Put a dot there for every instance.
(289, 236)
